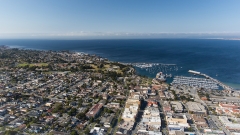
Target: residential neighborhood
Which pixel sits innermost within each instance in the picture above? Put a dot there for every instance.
(49, 92)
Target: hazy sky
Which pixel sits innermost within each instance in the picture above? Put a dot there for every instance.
(118, 18)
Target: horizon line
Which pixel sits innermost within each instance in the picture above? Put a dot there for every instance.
(121, 35)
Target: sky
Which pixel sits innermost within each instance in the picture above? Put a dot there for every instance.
(119, 18)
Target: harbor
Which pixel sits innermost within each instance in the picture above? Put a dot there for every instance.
(207, 82)
(171, 70)
(195, 82)
(149, 65)
(224, 86)
(153, 68)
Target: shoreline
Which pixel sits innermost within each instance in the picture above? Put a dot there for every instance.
(236, 86)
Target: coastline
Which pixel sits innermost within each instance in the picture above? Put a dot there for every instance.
(234, 85)
(154, 51)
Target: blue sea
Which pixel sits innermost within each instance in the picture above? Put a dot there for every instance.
(219, 59)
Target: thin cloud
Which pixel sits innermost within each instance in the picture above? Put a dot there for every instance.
(84, 34)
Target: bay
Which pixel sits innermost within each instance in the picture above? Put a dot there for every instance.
(219, 59)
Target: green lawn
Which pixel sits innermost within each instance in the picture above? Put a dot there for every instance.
(33, 64)
(23, 64)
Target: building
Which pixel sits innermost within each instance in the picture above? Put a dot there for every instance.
(107, 120)
(181, 133)
(105, 96)
(151, 120)
(175, 128)
(231, 106)
(176, 133)
(177, 106)
(151, 92)
(113, 105)
(94, 111)
(228, 124)
(97, 131)
(131, 110)
(125, 128)
(213, 132)
(228, 109)
(196, 108)
(58, 133)
(199, 121)
(48, 104)
(161, 94)
(176, 118)
(176, 122)
(152, 103)
(166, 107)
(134, 95)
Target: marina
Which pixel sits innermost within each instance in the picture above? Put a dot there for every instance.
(195, 82)
(224, 86)
(147, 65)
(153, 68)
(206, 83)
(171, 70)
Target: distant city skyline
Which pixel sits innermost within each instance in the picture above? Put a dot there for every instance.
(119, 19)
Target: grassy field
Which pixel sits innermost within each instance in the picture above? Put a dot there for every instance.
(94, 66)
(23, 64)
(105, 68)
(33, 64)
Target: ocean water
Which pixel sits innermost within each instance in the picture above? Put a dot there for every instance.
(219, 59)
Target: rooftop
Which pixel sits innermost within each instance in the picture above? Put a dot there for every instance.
(195, 107)
(94, 110)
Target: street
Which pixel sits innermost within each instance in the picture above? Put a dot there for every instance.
(219, 124)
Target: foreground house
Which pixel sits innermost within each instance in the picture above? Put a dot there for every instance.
(94, 111)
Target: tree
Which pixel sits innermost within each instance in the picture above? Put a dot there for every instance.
(80, 101)
(208, 97)
(91, 120)
(74, 132)
(190, 129)
(45, 99)
(9, 132)
(87, 130)
(58, 107)
(81, 116)
(72, 112)
(84, 86)
(101, 66)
